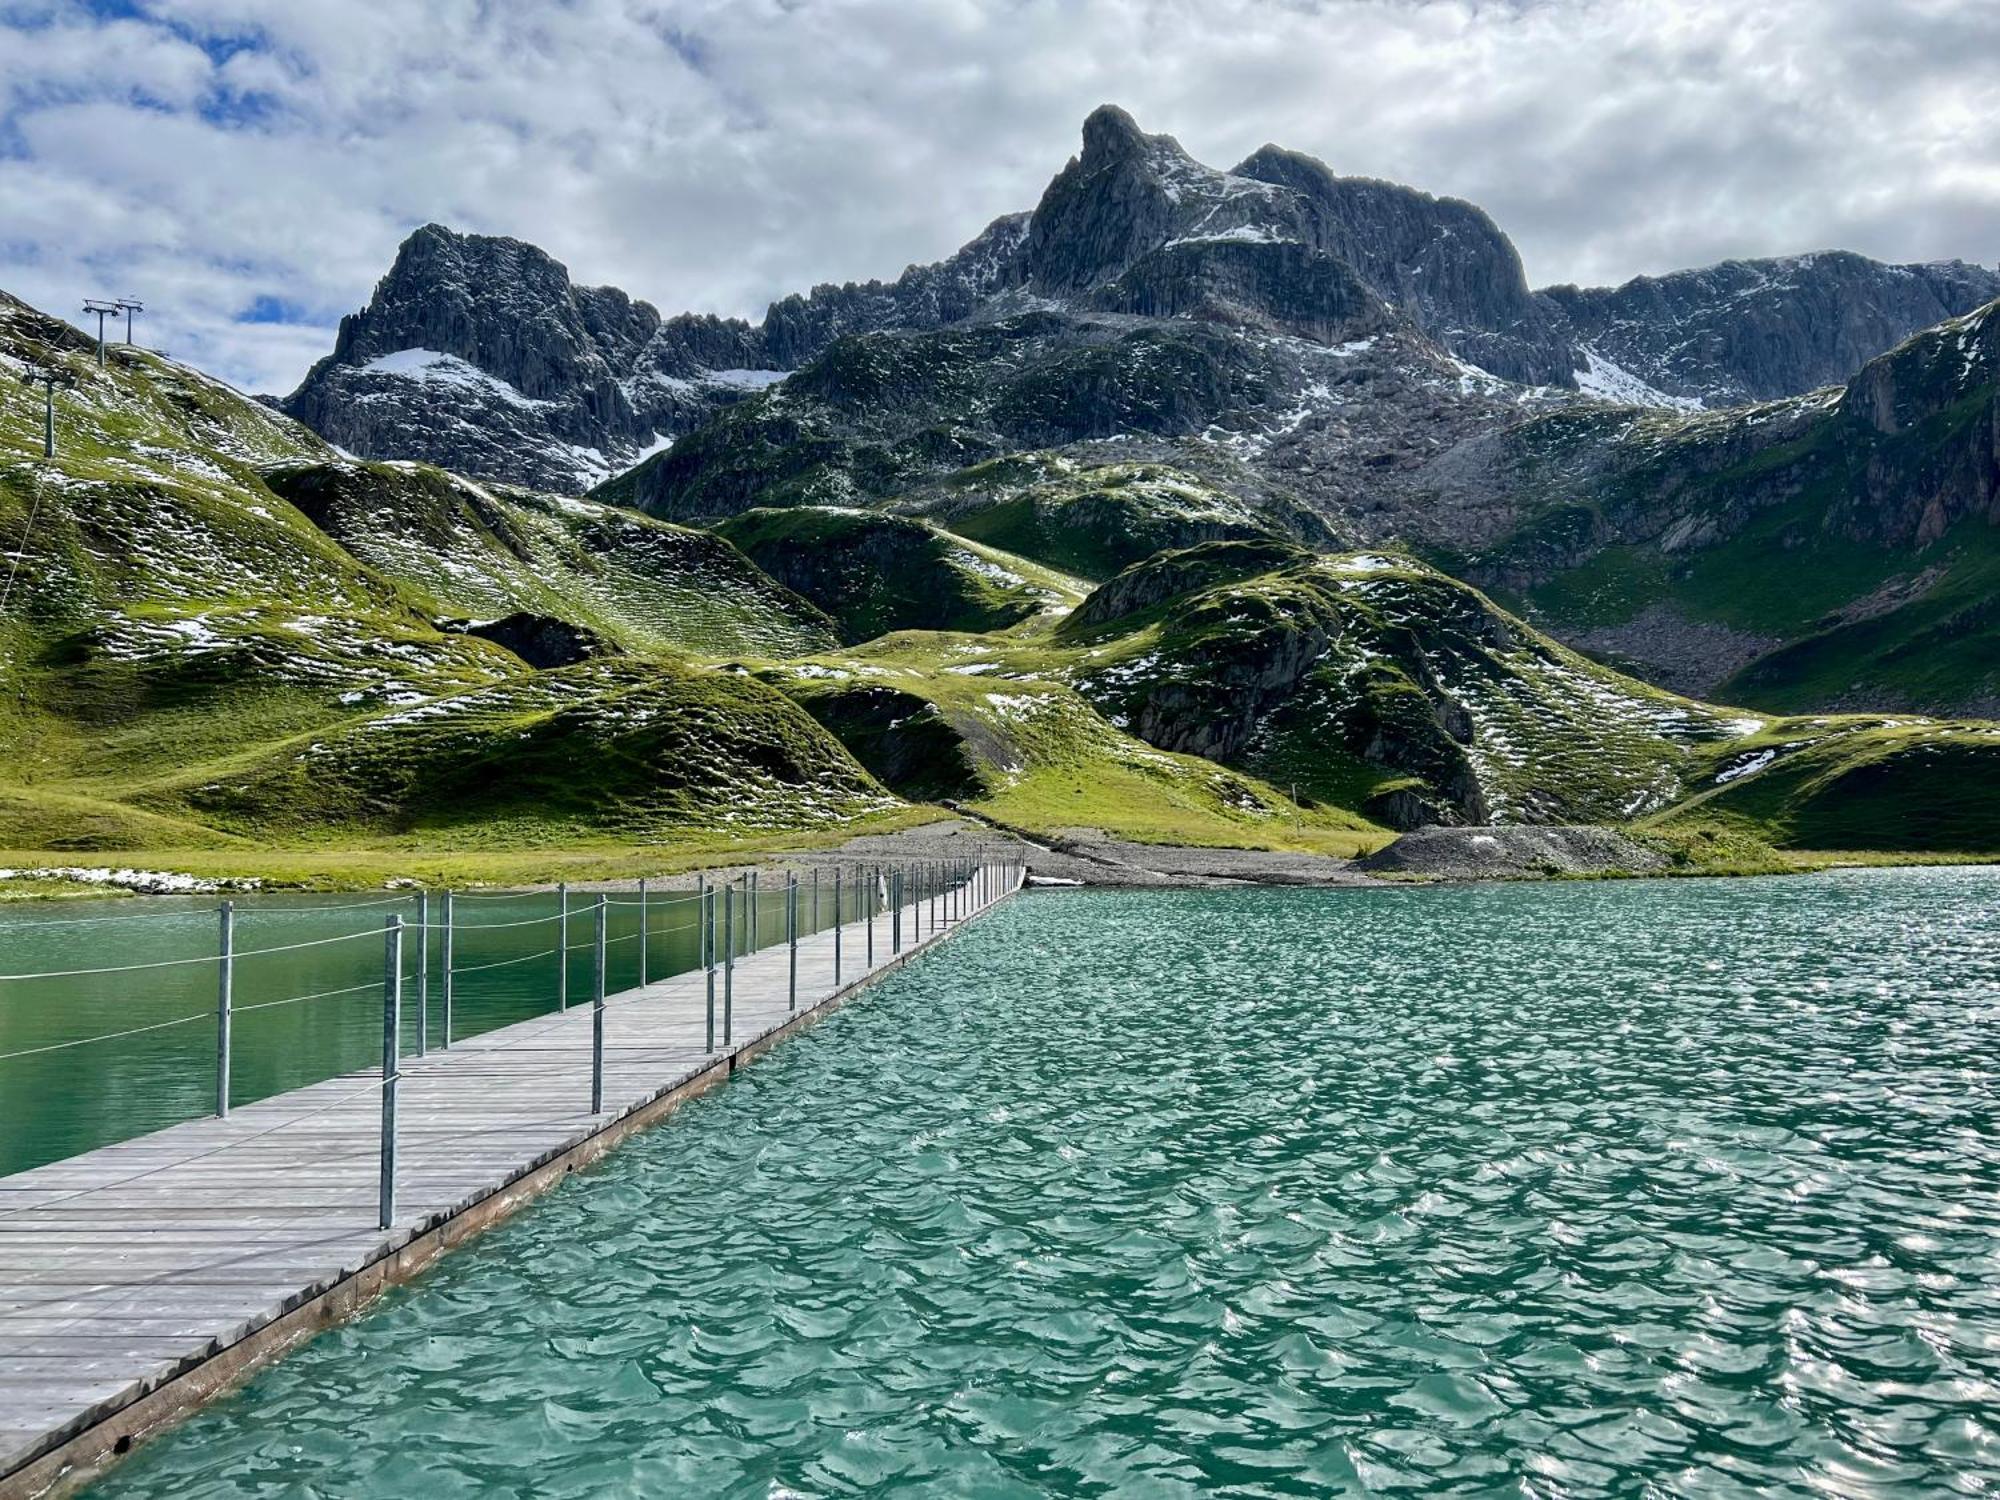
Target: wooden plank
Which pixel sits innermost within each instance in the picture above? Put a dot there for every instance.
(122, 1267)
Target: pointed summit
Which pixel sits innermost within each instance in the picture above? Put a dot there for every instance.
(1120, 199)
(1110, 134)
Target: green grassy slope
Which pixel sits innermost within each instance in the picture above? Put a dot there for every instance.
(876, 573)
(1372, 680)
(992, 721)
(1092, 520)
(632, 750)
(192, 662)
(479, 550)
(223, 637)
(1855, 783)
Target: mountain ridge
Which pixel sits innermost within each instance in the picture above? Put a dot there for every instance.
(1132, 225)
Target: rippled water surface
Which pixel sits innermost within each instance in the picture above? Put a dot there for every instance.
(1637, 1188)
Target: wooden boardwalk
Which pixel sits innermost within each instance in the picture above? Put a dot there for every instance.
(137, 1279)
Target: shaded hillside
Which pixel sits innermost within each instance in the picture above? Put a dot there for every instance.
(875, 574)
(1834, 550)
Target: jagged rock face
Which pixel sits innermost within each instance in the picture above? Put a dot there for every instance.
(1136, 225)
(1275, 287)
(796, 328)
(1931, 412)
(1440, 260)
(1758, 330)
(479, 353)
(1312, 333)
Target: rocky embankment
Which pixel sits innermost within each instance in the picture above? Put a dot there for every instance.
(1515, 853)
(1524, 853)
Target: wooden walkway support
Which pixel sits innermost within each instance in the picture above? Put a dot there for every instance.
(139, 1279)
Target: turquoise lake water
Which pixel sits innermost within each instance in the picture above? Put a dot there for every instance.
(1669, 1188)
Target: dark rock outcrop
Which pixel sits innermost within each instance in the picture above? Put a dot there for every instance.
(1313, 334)
(1755, 330)
(479, 353)
(906, 742)
(1441, 261)
(539, 640)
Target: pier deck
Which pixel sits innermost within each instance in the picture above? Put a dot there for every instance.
(137, 1279)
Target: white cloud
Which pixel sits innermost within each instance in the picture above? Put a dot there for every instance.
(711, 154)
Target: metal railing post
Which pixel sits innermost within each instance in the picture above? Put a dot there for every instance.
(597, 1015)
(562, 946)
(753, 908)
(895, 911)
(423, 973)
(450, 946)
(815, 899)
(728, 957)
(642, 932)
(707, 914)
(392, 1067)
(868, 907)
(836, 927)
(792, 935)
(225, 1002)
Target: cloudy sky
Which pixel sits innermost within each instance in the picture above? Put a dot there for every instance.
(248, 166)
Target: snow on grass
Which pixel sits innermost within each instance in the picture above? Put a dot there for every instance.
(1747, 767)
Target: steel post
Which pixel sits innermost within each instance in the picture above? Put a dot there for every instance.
(445, 979)
(392, 1067)
(597, 1015)
(225, 1002)
(562, 945)
(423, 973)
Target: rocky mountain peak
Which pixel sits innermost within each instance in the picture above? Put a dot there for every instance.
(1136, 225)
(1442, 261)
(479, 352)
(1117, 201)
(1110, 134)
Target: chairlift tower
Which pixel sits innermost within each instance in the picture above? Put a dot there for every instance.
(48, 377)
(128, 306)
(104, 309)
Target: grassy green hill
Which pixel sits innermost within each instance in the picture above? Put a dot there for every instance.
(221, 636)
(1091, 520)
(477, 550)
(229, 646)
(875, 574)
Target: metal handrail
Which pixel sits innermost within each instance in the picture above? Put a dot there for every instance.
(942, 893)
